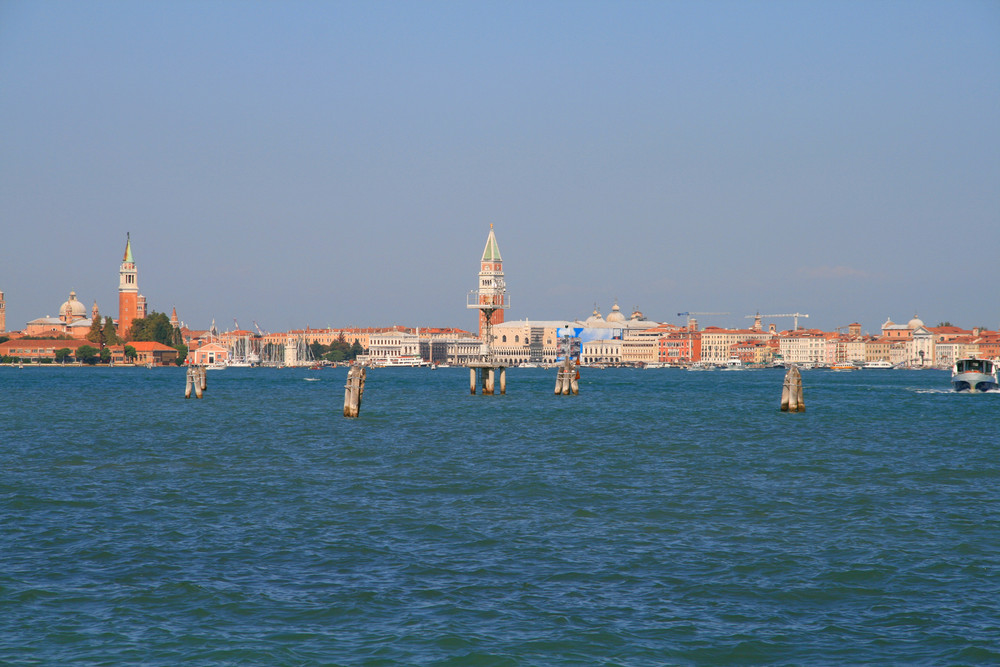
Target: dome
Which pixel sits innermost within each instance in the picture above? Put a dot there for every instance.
(888, 323)
(616, 314)
(915, 323)
(595, 320)
(72, 309)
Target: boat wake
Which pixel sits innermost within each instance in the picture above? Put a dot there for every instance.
(950, 391)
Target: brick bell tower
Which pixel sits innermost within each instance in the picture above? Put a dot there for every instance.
(491, 283)
(128, 291)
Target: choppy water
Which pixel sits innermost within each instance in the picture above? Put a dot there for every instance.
(660, 517)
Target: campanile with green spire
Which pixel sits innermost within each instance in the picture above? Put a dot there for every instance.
(128, 290)
(491, 283)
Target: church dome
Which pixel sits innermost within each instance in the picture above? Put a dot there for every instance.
(595, 320)
(888, 323)
(616, 314)
(72, 309)
(915, 323)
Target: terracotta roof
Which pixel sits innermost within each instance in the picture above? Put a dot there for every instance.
(148, 346)
(48, 344)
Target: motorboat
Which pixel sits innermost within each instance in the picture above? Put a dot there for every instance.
(733, 364)
(843, 366)
(974, 375)
(881, 364)
(701, 366)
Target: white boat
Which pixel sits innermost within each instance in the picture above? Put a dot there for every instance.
(882, 364)
(733, 364)
(407, 361)
(701, 366)
(974, 375)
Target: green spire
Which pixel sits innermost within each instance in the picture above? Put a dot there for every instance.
(492, 251)
(128, 250)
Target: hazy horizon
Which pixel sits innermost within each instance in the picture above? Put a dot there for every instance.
(339, 164)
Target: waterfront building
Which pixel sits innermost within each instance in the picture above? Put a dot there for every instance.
(131, 304)
(33, 350)
(148, 352)
(804, 346)
(392, 346)
(72, 321)
(717, 344)
(682, 346)
(601, 351)
(208, 354)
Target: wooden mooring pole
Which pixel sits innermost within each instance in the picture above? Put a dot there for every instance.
(487, 377)
(791, 392)
(567, 378)
(196, 380)
(354, 390)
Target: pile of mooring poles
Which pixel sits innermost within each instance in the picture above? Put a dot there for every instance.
(354, 390)
(487, 375)
(791, 392)
(197, 378)
(568, 378)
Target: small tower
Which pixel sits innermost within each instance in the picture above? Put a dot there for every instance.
(173, 318)
(128, 290)
(95, 314)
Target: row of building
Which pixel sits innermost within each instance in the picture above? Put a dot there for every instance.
(615, 340)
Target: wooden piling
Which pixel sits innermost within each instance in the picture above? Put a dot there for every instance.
(503, 381)
(354, 390)
(189, 382)
(567, 379)
(791, 391)
(472, 381)
(489, 383)
(203, 372)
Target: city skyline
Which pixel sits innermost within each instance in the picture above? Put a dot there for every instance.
(336, 165)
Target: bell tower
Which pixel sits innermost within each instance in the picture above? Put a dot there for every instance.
(128, 290)
(491, 285)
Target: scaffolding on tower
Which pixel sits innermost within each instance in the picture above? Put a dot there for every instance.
(488, 300)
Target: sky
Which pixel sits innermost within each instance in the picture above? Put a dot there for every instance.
(339, 163)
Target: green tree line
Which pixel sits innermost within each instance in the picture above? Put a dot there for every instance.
(338, 350)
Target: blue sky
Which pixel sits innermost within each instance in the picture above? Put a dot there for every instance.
(337, 164)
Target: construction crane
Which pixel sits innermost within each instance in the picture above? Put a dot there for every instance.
(257, 326)
(689, 315)
(795, 315)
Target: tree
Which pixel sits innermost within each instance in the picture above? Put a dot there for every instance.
(130, 353)
(182, 353)
(110, 333)
(96, 334)
(356, 349)
(105, 355)
(87, 354)
(62, 354)
(335, 355)
(154, 327)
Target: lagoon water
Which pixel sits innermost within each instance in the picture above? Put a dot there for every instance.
(660, 517)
